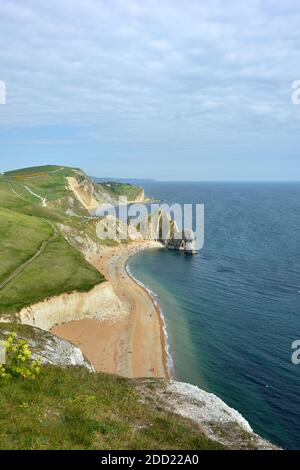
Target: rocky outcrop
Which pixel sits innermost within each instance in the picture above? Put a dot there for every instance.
(140, 197)
(100, 303)
(112, 228)
(216, 419)
(80, 240)
(183, 241)
(84, 191)
(51, 349)
(159, 226)
(89, 194)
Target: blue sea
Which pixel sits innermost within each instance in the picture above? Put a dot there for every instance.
(233, 310)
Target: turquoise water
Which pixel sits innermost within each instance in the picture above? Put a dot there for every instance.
(232, 311)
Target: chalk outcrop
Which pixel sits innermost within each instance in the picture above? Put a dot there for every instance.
(85, 192)
(51, 349)
(80, 240)
(140, 197)
(184, 240)
(91, 195)
(159, 226)
(216, 419)
(100, 303)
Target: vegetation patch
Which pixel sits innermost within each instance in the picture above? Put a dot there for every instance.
(117, 190)
(36, 264)
(59, 269)
(18, 360)
(20, 238)
(75, 409)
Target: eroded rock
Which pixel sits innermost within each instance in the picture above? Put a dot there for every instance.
(51, 349)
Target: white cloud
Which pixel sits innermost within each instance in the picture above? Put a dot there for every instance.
(133, 64)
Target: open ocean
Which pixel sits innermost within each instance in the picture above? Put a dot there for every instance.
(233, 310)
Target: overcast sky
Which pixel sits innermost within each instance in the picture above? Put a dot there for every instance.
(168, 89)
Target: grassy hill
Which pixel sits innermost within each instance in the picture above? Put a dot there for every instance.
(37, 204)
(74, 409)
(116, 190)
(38, 170)
(59, 269)
(24, 192)
(20, 237)
(36, 260)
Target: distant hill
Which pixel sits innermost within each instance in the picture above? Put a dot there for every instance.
(134, 181)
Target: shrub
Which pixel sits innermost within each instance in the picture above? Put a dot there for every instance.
(18, 360)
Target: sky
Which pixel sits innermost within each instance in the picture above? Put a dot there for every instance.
(164, 89)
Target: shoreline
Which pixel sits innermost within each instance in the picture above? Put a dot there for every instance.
(136, 345)
(167, 350)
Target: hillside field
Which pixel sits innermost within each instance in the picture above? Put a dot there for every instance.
(36, 260)
(74, 409)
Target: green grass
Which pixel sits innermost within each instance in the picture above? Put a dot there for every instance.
(20, 237)
(61, 268)
(74, 409)
(49, 182)
(14, 195)
(38, 169)
(11, 200)
(122, 189)
(23, 230)
(25, 224)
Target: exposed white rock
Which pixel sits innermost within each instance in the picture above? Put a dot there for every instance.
(100, 303)
(198, 405)
(51, 349)
(60, 352)
(80, 240)
(87, 193)
(216, 419)
(113, 228)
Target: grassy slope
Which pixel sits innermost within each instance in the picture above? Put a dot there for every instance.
(59, 269)
(14, 195)
(48, 181)
(74, 409)
(122, 189)
(25, 224)
(35, 169)
(20, 237)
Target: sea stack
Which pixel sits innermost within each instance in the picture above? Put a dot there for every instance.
(184, 240)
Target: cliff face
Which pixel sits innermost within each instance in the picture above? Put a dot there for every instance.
(91, 195)
(140, 196)
(100, 303)
(159, 226)
(51, 349)
(217, 420)
(88, 194)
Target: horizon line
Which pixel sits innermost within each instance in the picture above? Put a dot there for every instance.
(154, 180)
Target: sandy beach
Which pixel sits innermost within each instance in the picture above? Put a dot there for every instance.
(134, 345)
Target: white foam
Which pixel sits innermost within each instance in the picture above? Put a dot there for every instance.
(154, 297)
